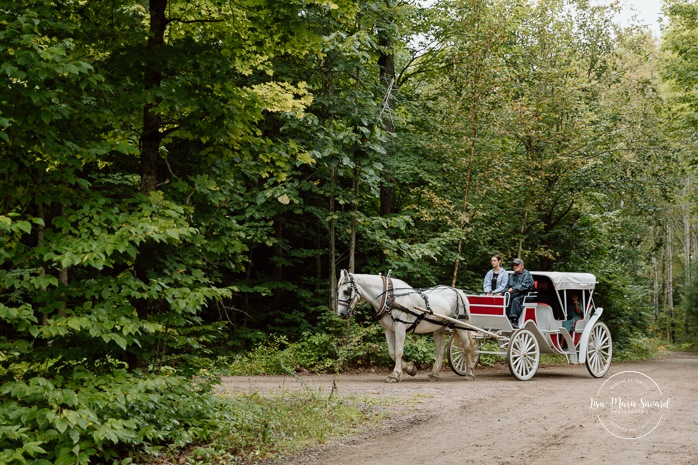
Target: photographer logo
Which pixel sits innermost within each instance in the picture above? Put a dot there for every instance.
(629, 405)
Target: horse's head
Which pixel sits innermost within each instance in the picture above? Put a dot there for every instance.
(347, 294)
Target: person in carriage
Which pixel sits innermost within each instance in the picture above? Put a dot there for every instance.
(520, 284)
(496, 280)
(574, 312)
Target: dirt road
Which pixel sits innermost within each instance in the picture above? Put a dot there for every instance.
(562, 415)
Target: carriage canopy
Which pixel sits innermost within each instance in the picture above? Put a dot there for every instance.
(568, 281)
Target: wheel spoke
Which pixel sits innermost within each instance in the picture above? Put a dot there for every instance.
(457, 357)
(595, 362)
(529, 346)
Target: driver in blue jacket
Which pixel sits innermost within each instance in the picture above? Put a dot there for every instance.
(520, 284)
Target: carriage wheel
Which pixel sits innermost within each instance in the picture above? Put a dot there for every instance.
(456, 355)
(478, 342)
(599, 350)
(523, 354)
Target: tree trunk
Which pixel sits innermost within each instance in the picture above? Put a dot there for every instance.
(687, 244)
(464, 210)
(40, 234)
(655, 289)
(278, 249)
(328, 121)
(152, 78)
(63, 279)
(354, 211)
(670, 286)
(332, 252)
(150, 141)
(355, 177)
(522, 231)
(386, 62)
(319, 234)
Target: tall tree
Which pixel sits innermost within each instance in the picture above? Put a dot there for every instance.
(679, 71)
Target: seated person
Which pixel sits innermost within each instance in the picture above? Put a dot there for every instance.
(574, 312)
(520, 284)
(495, 279)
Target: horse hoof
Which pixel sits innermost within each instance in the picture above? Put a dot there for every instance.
(433, 377)
(469, 376)
(411, 369)
(392, 379)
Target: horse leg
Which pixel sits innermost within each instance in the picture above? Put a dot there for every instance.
(407, 367)
(390, 339)
(396, 352)
(438, 362)
(469, 351)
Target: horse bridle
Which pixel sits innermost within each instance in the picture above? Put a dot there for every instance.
(350, 303)
(387, 297)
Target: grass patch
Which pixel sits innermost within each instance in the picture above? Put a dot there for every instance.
(257, 427)
(683, 347)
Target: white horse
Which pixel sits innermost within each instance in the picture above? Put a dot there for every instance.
(394, 303)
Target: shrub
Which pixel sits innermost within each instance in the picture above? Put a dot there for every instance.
(87, 418)
(637, 348)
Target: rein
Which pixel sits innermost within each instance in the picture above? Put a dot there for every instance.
(421, 316)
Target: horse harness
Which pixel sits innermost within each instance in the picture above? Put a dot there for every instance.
(388, 304)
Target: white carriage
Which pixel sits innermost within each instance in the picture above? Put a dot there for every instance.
(543, 327)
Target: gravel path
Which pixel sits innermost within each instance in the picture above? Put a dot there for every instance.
(496, 419)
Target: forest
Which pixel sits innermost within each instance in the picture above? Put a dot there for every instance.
(181, 183)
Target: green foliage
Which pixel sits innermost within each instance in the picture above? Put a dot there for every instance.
(165, 193)
(360, 344)
(269, 357)
(690, 305)
(679, 64)
(420, 349)
(490, 360)
(357, 345)
(636, 349)
(684, 347)
(86, 416)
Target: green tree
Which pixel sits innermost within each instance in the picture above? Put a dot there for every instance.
(678, 70)
(129, 138)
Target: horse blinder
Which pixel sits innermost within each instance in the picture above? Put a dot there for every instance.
(349, 303)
